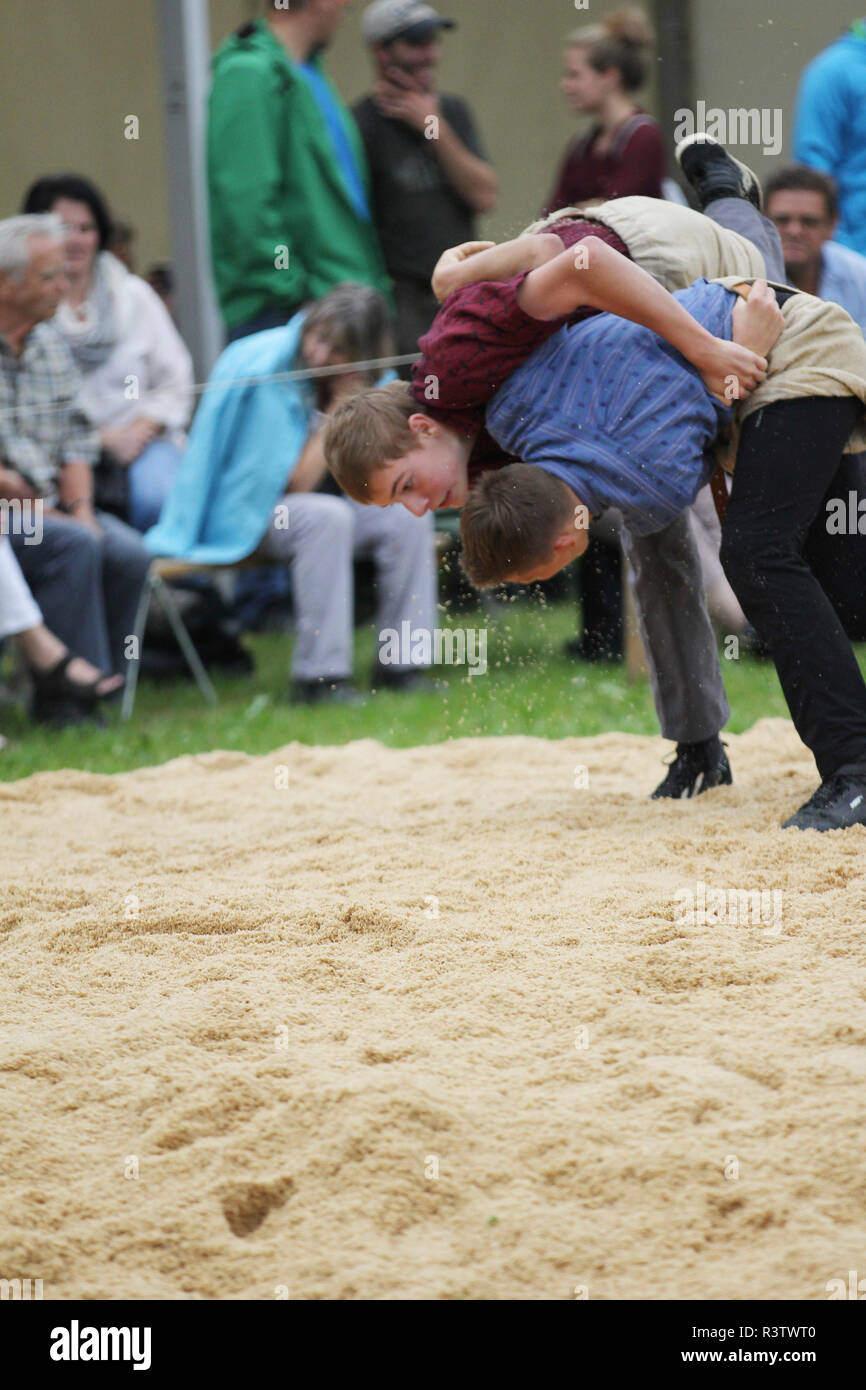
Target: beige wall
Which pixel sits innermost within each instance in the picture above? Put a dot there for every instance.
(76, 69)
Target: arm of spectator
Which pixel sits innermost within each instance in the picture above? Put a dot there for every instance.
(473, 177)
(820, 120)
(166, 397)
(312, 465)
(25, 465)
(252, 206)
(13, 487)
(75, 486)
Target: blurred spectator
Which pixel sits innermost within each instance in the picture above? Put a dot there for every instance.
(120, 242)
(88, 570)
(830, 127)
(803, 204)
(65, 687)
(160, 277)
(430, 176)
(254, 479)
(287, 175)
(623, 153)
(137, 372)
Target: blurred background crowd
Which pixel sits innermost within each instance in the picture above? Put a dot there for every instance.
(325, 222)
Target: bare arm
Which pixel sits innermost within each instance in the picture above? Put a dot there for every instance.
(484, 260)
(473, 178)
(592, 274)
(400, 97)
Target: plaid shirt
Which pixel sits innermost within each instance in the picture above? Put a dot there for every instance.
(40, 427)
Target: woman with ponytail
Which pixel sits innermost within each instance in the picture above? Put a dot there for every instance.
(623, 153)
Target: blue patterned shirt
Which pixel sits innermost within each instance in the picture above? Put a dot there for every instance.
(618, 413)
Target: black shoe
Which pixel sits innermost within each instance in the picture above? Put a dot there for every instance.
(325, 692)
(578, 649)
(415, 681)
(840, 801)
(713, 173)
(696, 768)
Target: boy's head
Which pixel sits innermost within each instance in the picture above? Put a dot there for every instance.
(381, 449)
(520, 524)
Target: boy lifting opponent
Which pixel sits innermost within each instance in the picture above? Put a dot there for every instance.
(425, 445)
(645, 444)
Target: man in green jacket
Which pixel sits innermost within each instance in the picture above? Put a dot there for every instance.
(287, 174)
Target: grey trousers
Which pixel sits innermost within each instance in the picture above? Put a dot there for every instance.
(319, 535)
(664, 570)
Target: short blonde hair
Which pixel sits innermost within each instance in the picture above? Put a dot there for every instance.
(365, 432)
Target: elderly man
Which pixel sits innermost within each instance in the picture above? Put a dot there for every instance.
(87, 571)
(429, 172)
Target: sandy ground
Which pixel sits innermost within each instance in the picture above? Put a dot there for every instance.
(246, 1024)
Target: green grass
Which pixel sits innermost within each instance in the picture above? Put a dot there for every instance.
(530, 688)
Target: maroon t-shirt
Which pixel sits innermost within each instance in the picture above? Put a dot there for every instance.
(478, 338)
(635, 164)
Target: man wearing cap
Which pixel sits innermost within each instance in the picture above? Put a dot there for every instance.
(429, 173)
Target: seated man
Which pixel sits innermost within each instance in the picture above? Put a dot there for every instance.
(606, 414)
(249, 485)
(485, 331)
(804, 206)
(88, 570)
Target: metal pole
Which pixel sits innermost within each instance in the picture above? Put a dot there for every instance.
(184, 43)
(676, 78)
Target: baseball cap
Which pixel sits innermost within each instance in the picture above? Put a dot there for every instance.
(391, 19)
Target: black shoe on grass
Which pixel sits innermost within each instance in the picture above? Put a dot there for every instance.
(324, 692)
(713, 173)
(839, 802)
(696, 768)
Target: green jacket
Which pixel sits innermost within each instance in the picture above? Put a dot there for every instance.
(274, 182)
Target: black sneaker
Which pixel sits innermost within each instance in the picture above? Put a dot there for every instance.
(713, 173)
(840, 801)
(696, 768)
(324, 692)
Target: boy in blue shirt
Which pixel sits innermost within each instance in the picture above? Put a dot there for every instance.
(608, 414)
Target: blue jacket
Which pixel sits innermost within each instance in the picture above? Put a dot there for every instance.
(830, 128)
(244, 444)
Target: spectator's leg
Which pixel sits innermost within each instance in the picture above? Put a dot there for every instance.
(19, 610)
(64, 574)
(125, 562)
(317, 543)
(150, 480)
(405, 556)
(789, 455)
(678, 637)
(739, 215)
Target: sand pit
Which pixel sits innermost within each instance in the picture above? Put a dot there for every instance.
(286, 1007)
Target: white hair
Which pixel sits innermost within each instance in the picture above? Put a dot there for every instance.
(16, 234)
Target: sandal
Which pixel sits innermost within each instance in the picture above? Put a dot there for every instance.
(56, 687)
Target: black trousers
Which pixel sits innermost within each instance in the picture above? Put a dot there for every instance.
(783, 564)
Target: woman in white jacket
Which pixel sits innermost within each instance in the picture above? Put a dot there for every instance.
(137, 371)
